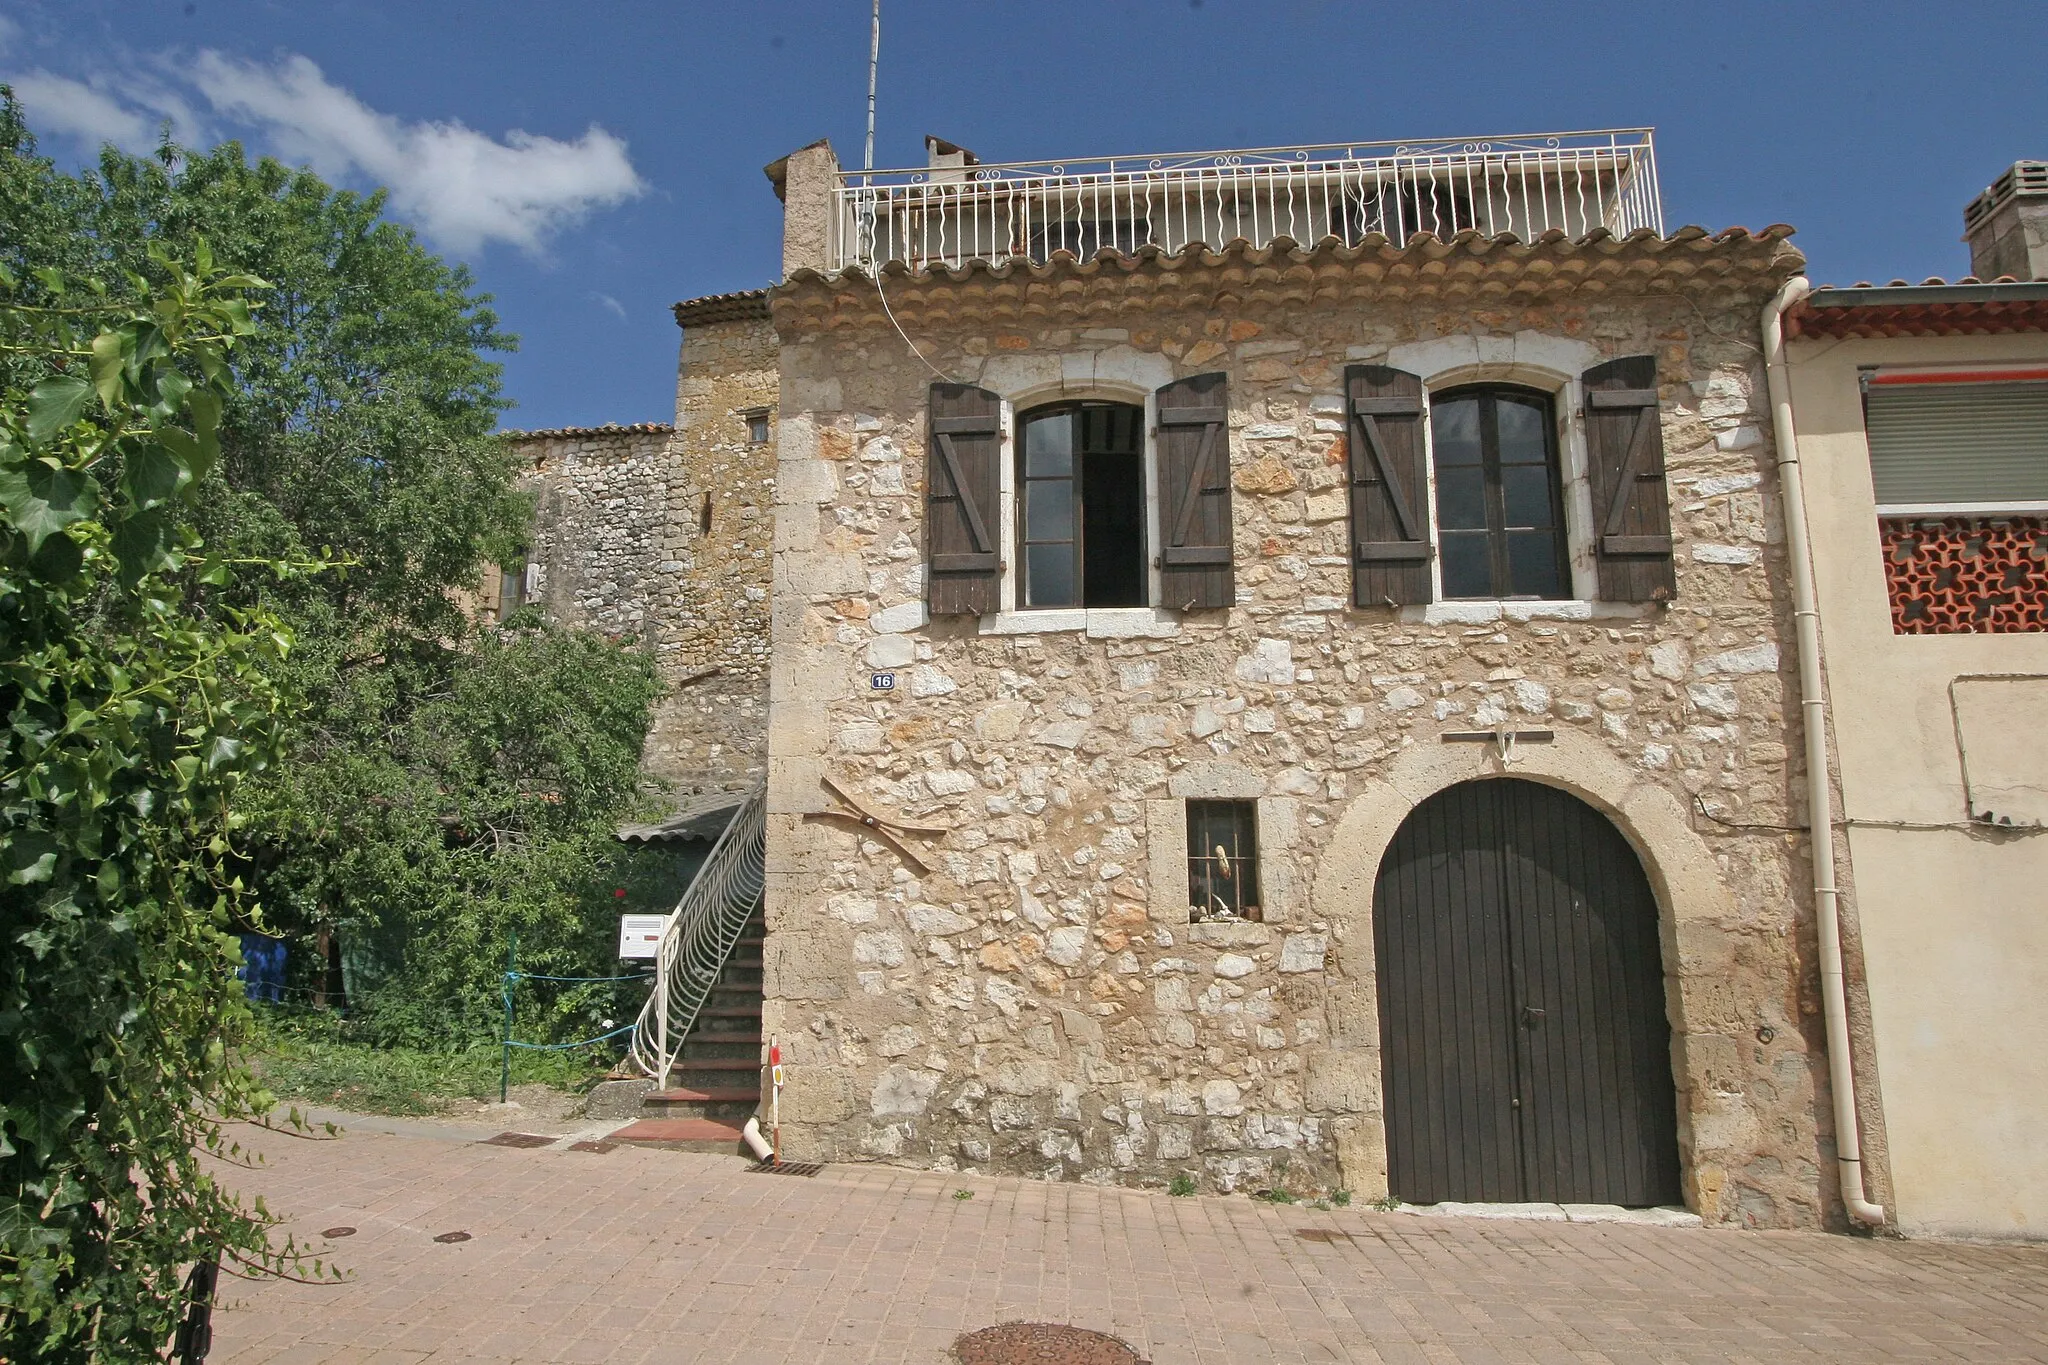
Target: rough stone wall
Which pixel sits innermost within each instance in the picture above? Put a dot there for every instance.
(621, 546)
(713, 731)
(1038, 1003)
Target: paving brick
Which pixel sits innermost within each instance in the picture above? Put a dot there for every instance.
(662, 1256)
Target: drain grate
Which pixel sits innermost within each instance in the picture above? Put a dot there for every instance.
(593, 1145)
(804, 1168)
(1323, 1235)
(331, 1233)
(519, 1140)
(1042, 1343)
(453, 1237)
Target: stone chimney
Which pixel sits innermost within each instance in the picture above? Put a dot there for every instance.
(947, 160)
(804, 181)
(2007, 225)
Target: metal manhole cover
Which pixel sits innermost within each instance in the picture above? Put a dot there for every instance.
(1042, 1343)
(787, 1168)
(519, 1140)
(453, 1237)
(331, 1233)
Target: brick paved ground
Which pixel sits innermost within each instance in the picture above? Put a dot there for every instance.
(642, 1255)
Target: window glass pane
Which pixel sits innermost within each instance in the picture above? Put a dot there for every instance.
(1049, 445)
(1526, 491)
(1532, 565)
(1467, 571)
(1049, 576)
(1461, 497)
(1049, 509)
(1524, 431)
(1454, 432)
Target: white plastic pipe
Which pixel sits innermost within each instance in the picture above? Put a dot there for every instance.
(751, 1135)
(1820, 814)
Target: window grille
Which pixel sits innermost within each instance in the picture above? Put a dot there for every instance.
(1223, 860)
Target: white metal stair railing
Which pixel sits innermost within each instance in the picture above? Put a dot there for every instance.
(700, 935)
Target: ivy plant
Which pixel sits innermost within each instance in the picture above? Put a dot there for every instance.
(136, 698)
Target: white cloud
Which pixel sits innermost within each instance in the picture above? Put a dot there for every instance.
(10, 32)
(463, 188)
(460, 187)
(68, 108)
(612, 304)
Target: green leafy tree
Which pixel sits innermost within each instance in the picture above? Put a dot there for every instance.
(134, 712)
(361, 425)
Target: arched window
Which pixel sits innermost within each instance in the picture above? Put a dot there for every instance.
(1499, 498)
(1081, 506)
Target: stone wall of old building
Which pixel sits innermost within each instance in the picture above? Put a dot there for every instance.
(661, 534)
(1037, 1001)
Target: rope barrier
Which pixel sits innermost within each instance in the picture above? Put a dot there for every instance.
(563, 1047)
(536, 976)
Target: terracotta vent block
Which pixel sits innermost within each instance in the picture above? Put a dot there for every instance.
(1966, 575)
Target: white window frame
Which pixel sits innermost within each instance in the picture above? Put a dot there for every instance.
(1105, 622)
(1542, 364)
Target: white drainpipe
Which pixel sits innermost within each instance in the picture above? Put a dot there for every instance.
(1820, 815)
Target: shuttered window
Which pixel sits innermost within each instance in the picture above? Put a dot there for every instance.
(1081, 504)
(1631, 504)
(1195, 571)
(1499, 505)
(961, 560)
(1389, 487)
(1941, 445)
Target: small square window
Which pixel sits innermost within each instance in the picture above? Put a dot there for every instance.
(1223, 860)
(757, 426)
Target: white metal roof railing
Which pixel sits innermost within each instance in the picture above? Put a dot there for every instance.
(1524, 185)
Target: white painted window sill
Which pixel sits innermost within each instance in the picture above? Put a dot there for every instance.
(1481, 613)
(1099, 623)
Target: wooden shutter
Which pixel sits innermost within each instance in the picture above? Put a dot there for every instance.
(1389, 488)
(1631, 509)
(1194, 494)
(962, 561)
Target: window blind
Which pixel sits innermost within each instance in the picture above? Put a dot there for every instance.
(1940, 444)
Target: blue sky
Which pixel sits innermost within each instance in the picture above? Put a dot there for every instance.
(594, 163)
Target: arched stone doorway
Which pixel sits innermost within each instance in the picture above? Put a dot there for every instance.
(1524, 1045)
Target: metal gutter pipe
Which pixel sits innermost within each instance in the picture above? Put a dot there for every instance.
(1820, 815)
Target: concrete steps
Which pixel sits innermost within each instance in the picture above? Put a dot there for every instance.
(715, 1084)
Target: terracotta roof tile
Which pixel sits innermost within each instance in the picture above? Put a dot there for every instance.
(578, 433)
(1968, 307)
(1467, 267)
(736, 307)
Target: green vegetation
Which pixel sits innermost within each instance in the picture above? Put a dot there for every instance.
(240, 688)
(139, 698)
(310, 1056)
(1181, 1186)
(442, 783)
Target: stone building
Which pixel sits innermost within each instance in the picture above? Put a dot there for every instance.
(1312, 635)
(661, 533)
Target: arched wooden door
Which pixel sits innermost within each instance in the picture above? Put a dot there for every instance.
(1524, 1046)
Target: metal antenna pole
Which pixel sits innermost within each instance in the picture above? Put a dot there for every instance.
(874, 60)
